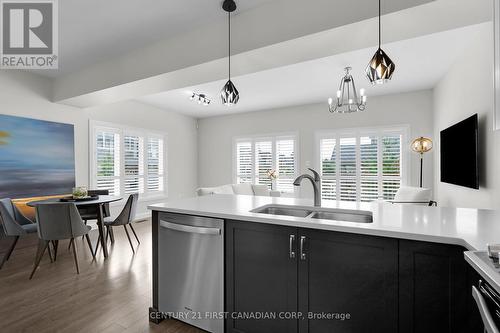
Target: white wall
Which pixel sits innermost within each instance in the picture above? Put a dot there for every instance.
(215, 135)
(465, 90)
(27, 95)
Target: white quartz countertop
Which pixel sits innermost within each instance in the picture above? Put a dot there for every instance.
(488, 268)
(470, 228)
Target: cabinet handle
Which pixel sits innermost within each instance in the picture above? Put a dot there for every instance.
(302, 253)
(290, 247)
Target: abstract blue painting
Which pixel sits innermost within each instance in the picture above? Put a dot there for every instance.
(37, 158)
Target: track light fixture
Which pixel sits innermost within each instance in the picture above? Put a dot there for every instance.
(200, 98)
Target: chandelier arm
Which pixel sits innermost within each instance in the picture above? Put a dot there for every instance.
(355, 92)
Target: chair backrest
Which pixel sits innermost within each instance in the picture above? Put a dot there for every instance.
(411, 194)
(8, 218)
(59, 220)
(92, 209)
(98, 192)
(127, 215)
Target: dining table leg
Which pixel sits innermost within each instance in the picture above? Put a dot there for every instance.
(100, 225)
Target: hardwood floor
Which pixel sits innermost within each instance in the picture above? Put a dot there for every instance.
(111, 295)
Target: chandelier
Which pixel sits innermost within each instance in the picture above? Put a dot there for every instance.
(347, 96)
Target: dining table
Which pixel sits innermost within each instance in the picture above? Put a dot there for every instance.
(98, 203)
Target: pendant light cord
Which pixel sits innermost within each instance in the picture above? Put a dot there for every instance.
(379, 24)
(229, 44)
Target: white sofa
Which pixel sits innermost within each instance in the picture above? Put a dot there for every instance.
(247, 189)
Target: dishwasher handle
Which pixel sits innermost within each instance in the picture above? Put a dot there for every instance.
(489, 324)
(189, 228)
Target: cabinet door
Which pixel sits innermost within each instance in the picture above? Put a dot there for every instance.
(433, 288)
(349, 275)
(261, 277)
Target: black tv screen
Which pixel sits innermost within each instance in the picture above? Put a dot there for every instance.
(459, 150)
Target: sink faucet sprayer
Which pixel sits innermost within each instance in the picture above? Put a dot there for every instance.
(316, 183)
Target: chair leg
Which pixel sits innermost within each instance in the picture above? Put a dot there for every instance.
(97, 245)
(128, 236)
(50, 253)
(84, 222)
(137, 238)
(107, 233)
(9, 252)
(42, 245)
(55, 244)
(90, 245)
(70, 243)
(75, 256)
(111, 235)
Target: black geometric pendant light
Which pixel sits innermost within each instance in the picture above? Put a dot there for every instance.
(381, 67)
(229, 94)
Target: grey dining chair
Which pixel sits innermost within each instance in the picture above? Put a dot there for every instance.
(124, 219)
(91, 212)
(14, 224)
(58, 221)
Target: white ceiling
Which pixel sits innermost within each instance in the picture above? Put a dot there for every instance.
(94, 31)
(91, 31)
(420, 63)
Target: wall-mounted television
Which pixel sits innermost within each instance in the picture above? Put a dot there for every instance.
(459, 153)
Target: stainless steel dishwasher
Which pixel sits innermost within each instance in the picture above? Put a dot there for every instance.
(190, 269)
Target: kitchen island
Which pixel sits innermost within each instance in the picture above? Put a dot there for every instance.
(403, 272)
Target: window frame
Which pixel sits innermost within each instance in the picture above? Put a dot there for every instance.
(337, 134)
(273, 137)
(122, 131)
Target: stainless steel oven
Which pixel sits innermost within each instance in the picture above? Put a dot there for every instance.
(488, 303)
(191, 271)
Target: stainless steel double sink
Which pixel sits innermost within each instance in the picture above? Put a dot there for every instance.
(344, 215)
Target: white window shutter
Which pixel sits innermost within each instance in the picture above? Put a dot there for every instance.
(133, 164)
(328, 156)
(255, 157)
(285, 168)
(368, 157)
(348, 169)
(391, 165)
(244, 164)
(263, 162)
(107, 160)
(155, 170)
(362, 167)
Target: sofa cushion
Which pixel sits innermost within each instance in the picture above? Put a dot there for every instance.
(224, 189)
(205, 191)
(262, 190)
(243, 189)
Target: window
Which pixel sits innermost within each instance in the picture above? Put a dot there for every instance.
(127, 160)
(361, 165)
(269, 161)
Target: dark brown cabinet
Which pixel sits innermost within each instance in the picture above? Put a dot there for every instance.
(348, 274)
(382, 284)
(433, 288)
(261, 278)
(287, 271)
